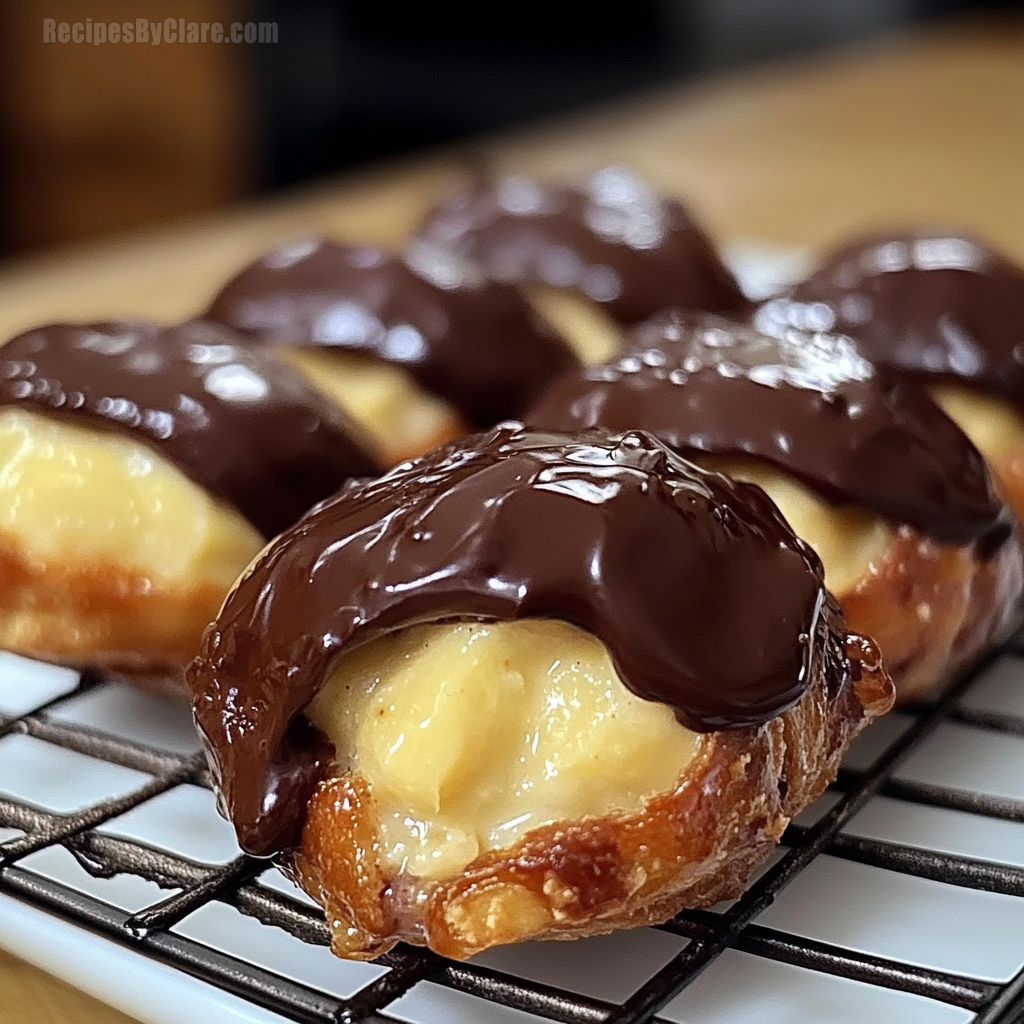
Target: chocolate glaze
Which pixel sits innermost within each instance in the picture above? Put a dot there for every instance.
(929, 304)
(807, 403)
(612, 239)
(703, 596)
(248, 429)
(475, 343)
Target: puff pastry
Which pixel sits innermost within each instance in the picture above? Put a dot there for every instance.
(528, 686)
(141, 469)
(939, 307)
(593, 257)
(418, 349)
(896, 500)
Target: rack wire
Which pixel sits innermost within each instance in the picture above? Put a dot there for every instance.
(709, 933)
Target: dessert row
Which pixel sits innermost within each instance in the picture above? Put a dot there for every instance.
(548, 677)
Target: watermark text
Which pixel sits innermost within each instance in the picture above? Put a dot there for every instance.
(156, 33)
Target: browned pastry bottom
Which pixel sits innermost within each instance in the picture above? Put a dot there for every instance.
(1008, 469)
(934, 608)
(690, 847)
(103, 616)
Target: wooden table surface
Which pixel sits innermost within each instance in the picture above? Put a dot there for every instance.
(923, 128)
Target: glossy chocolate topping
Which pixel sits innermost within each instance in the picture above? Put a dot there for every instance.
(703, 596)
(475, 343)
(613, 240)
(248, 429)
(930, 304)
(806, 402)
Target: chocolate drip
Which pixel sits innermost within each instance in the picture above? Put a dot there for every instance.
(929, 304)
(703, 596)
(248, 429)
(475, 343)
(613, 240)
(807, 403)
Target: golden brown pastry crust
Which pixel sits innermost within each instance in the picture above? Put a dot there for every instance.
(690, 847)
(1008, 470)
(934, 608)
(103, 615)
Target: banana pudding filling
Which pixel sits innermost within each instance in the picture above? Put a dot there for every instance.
(592, 333)
(108, 549)
(529, 685)
(997, 429)
(472, 734)
(403, 419)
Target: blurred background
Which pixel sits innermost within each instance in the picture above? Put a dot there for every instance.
(95, 139)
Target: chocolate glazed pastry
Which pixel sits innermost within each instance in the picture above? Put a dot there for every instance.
(938, 307)
(143, 468)
(417, 349)
(872, 473)
(528, 686)
(592, 258)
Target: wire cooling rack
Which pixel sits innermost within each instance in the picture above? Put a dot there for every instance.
(983, 712)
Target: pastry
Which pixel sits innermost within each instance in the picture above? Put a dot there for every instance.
(418, 349)
(528, 686)
(141, 469)
(594, 258)
(939, 307)
(892, 495)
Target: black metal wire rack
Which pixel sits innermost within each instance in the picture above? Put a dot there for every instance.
(710, 933)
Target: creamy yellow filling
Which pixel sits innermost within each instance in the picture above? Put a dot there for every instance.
(995, 427)
(471, 735)
(847, 539)
(74, 497)
(114, 554)
(401, 416)
(582, 323)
